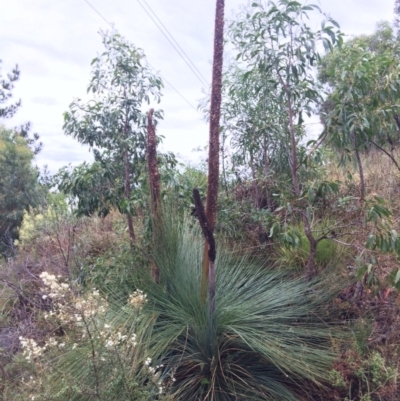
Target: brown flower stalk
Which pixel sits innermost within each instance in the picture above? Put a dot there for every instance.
(154, 176)
(213, 150)
(154, 180)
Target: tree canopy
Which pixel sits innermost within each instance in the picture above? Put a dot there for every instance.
(113, 124)
(363, 107)
(18, 185)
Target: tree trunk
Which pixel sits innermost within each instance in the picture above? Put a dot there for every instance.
(225, 183)
(293, 146)
(266, 171)
(360, 169)
(211, 249)
(127, 196)
(213, 150)
(215, 112)
(310, 268)
(255, 181)
(127, 173)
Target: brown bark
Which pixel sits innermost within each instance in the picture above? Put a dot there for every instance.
(215, 112)
(293, 145)
(154, 176)
(211, 251)
(213, 150)
(360, 170)
(266, 171)
(310, 268)
(127, 186)
(127, 196)
(154, 180)
(390, 155)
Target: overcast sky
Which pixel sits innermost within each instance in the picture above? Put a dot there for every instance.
(53, 43)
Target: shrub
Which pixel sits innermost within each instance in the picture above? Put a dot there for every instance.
(86, 358)
(295, 255)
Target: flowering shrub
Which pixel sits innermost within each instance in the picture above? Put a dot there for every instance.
(106, 356)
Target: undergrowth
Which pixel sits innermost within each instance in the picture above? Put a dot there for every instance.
(155, 341)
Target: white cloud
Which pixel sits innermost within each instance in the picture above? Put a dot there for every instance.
(54, 41)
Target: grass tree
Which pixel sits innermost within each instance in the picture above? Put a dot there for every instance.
(267, 337)
(260, 336)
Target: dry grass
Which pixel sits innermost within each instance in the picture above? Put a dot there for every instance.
(60, 249)
(382, 177)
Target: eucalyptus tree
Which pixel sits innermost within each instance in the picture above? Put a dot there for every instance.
(275, 41)
(362, 110)
(254, 131)
(113, 122)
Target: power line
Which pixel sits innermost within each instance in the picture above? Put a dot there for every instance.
(86, 1)
(174, 43)
(176, 90)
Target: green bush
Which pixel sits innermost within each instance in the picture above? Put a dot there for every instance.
(39, 221)
(295, 255)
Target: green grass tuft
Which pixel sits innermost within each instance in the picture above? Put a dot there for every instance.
(267, 340)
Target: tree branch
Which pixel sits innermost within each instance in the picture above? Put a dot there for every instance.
(387, 153)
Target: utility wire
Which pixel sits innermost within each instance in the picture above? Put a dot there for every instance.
(86, 1)
(174, 43)
(169, 83)
(176, 90)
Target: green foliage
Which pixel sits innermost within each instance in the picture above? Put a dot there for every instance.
(179, 186)
(254, 131)
(92, 187)
(113, 124)
(18, 182)
(6, 86)
(94, 324)
(8, 110)
(362, 107)
(270, 86)
(278, 51)
(365, 378)
(379, 373)
(266, 341)
(384, 238)
(37, 221)
(294, 252)
(19, 179)
(113, 272)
